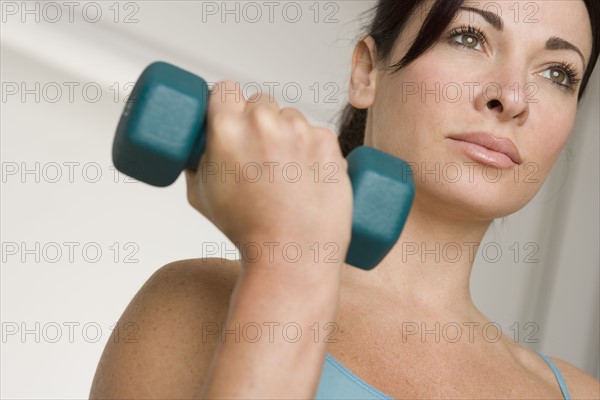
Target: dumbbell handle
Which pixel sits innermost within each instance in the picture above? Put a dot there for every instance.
(162, 131)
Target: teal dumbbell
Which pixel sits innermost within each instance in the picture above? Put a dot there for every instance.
(162, 131)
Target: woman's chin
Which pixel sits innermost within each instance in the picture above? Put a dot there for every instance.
(478, 202)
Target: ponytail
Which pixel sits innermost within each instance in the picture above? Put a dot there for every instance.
(352, 128)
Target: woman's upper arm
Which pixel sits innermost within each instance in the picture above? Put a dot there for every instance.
(168, 333)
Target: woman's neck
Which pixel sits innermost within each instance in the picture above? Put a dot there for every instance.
(429, 268)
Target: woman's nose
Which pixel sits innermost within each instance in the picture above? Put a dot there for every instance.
(507, 101)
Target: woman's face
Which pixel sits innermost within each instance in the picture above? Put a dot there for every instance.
(451, 90)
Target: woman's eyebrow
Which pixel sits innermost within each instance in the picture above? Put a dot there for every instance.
(490, 17)
(553, 43)
(556, 43)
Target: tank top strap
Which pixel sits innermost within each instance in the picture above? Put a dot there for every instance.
(558, 375)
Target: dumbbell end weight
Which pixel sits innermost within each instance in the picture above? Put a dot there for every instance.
(383, 189)
(162, 128)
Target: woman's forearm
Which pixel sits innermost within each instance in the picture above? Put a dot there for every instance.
(273, 344)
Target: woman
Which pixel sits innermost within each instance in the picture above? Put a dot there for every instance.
(225, 329)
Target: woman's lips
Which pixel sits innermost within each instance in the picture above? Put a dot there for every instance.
(488, 149)
(485, 156)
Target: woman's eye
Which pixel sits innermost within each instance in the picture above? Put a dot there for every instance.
(467, 36)
(564, 75)
(468, 40)
(557, 75)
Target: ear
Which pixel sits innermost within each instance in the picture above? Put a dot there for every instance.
(363, 78)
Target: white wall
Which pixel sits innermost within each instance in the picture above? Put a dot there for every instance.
(155, 226)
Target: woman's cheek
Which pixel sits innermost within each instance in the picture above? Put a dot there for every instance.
(554, 136)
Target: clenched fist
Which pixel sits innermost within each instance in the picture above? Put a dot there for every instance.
(267, 174)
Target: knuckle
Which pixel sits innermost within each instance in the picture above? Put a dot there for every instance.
(295, 117)
(222, 122)
(298, 126)
(260, 116)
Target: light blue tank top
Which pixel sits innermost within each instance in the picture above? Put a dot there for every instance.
(338, 382)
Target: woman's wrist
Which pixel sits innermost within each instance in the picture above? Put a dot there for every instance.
(275, 250)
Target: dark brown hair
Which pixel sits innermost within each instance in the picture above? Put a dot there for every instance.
(392, 16)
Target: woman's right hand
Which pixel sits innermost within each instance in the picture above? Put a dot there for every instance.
(248, 181)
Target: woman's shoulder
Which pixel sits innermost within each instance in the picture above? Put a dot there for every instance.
(204, 279)
(580, 384)
(214, 271)
(177, 319)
